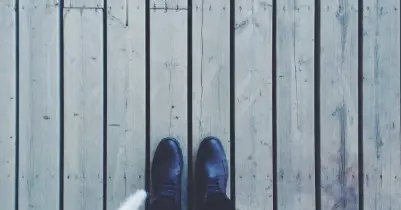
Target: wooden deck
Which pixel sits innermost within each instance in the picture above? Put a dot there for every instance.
(304, 94)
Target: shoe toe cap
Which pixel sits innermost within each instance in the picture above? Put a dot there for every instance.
(211, 146)
(168, 148)
(211, 158)
(168, 157)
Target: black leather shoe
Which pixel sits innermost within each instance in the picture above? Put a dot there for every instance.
(166, 174)
(211, 169)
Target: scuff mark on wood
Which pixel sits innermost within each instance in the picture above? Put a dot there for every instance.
(114, 125)
(342, 15)
(242, 24)
(343, 189)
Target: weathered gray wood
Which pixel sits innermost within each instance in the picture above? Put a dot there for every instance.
(83, 109)
(7, 104)
(39, 102)
(339, 104)
(381, 105)
(253, 109)
(168, 81)
(211, 73)
(86, 3)
(126, 145)
(295, 105)
(169, 4)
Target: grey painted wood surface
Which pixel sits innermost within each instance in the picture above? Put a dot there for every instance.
(295, 105)
(39, 97)
(7, 104)
(126, 139)
(83, 109)
(169, 4)
(84, 3)
(339, 104)
(381, 105)
(253, 104)
(39, 102)
(168, 82)
(211, 73)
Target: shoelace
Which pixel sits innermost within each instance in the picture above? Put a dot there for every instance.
(170, 188)
(213, 184)
(167, 197)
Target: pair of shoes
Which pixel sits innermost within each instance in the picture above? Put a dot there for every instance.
(211, 172)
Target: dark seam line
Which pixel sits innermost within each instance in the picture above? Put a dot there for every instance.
(61, 54)
(147, 100)
(274, 104)
(317, 106)
(105, 105)
(360, 105)
(169, 9)
(232, 101)
(16, 199)
(84, 8)
(189, 107)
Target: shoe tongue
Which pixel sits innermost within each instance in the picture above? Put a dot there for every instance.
(217, 201)
(216, 197)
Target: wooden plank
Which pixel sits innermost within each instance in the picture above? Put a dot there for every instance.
(39, 102)
(295, 105)
(168, 82)
(339, 104)
(126, 148)
(83, 109)
(211, 73)
(85, 3)
(169, 4)
(253, 109)
(7, 104)
(381, 104)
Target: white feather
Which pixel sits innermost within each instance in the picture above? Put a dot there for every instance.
(134, 201)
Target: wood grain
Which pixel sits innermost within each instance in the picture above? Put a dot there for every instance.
(339, 104)
(253, 104)
(39, 102)
(211, 73)
(126, 145)
(7, 104)
(295, 105)
(83, 109)
(168, 82)
(381, 105)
